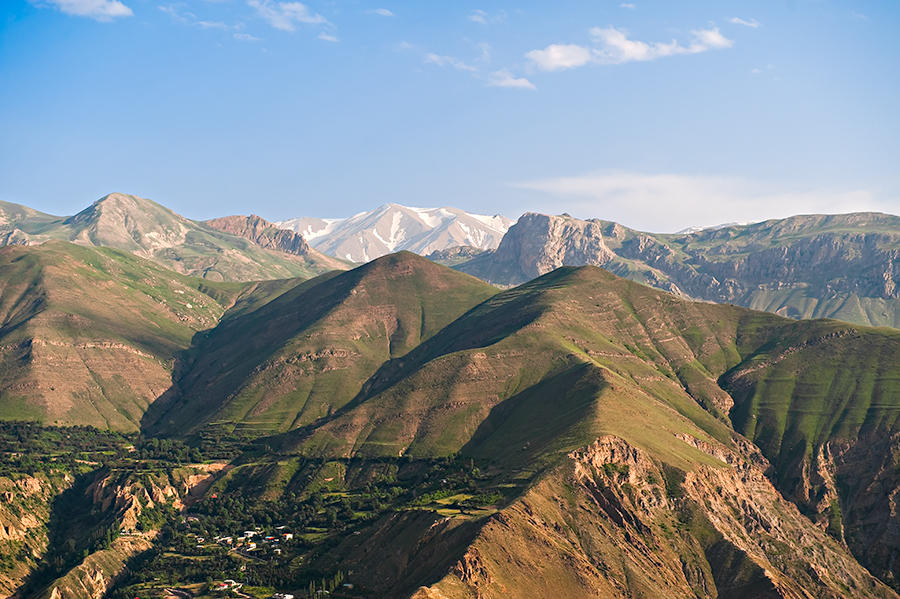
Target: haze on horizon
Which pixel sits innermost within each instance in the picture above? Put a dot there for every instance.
(655, 116)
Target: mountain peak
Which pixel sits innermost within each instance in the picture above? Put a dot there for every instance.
(392, 227)
(262, 233)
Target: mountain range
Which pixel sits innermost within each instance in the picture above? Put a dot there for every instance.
(152, 231)
(817, 266)
(614, 413)
(392, 227)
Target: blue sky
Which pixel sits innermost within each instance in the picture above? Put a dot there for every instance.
(657, 114)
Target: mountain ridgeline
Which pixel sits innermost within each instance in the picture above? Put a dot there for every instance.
(842, 266)
(222, 250)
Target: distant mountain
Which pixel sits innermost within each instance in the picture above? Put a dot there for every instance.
(393, 227)
(841, 266)
(152, 231)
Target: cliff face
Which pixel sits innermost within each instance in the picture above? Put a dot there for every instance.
(539, 243)
(262, 233)
(116, 500)
(843, 266)
(24, 514)
(615, 522)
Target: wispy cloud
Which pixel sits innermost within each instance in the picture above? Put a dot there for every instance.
(448, 61)
(99, 10)
(503, 78)
(479, 69)
(616, 47)
(745, 22)
(327, 37)
(212, 25)
(613, 46)
(670, 202)
(627, 5)
(381, 12)
(483, 17)
(188, 18)
(285, 16)
(245, 37)
(557, 57)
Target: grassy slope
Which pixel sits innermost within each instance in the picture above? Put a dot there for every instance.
(88, 335)
(579, 352)
(307, 353)
(544, 367)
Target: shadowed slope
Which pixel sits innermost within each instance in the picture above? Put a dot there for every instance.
(306, 354)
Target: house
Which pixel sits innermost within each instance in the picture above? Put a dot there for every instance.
(281, 596)
(288, 536)
(248, 534)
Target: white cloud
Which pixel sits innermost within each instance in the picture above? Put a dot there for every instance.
(503, 78)
(448, 61)
(671, 202)
(485, 18)
(245, 37)
(556, 57)
(613, 46)
(286, 15)
(381, 12)
(328, 37)
(616, 47)
(627, 5)
(99, 10)
(745, 22)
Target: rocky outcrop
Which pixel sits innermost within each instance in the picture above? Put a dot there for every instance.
(93, 577)
(25, 503)
(615, 522)
(262, 233)
(119, 498)
(539, 243)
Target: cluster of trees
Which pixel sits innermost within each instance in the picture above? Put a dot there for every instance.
(29, 448)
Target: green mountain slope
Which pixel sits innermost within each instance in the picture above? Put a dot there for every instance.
(152, 231)
(307, 353)
(89, 335)
(547, 367)
(603, 409)
(840, 266)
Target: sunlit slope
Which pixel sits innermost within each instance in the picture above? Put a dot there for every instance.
(308, 353)
(548, 364)
(89, 335)
(531, 356)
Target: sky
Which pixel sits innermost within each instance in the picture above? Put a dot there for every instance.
(657, 114)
